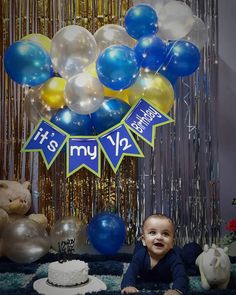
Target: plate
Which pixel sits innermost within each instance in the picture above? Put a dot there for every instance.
(93, 285)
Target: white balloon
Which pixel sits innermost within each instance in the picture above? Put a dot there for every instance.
(156, 4)
(175, 20)
(198, 35)
(84, 93)
(111, 34)
(72, 49)
(34, 106)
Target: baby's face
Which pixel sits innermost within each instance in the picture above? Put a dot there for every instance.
(158, 236)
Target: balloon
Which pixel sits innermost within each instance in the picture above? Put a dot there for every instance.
(155, 88)
(175, 20)
(73, 123)
(117, 67)
(66, 230)
(150, 52)
(167, 74)
(73, 48)
(110, 113)
(121, 94)
(183, 58)
(111, 34)
(25, 241)
(27, 63)
(106, 232)
(40, 39)
(141, 20)
(156, 4)
(34, 107)
(84, 93)
(198, 34)
(52, 92)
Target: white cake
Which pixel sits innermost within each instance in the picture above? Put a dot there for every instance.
(68, 274)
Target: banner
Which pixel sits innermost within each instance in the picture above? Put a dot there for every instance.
(143, 118)
(47, 139)
(118, 142)
(85, 151)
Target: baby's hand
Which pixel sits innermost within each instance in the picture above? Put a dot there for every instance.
(129, 290)
(171, 292)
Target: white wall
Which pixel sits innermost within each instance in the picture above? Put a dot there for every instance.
(227, 106)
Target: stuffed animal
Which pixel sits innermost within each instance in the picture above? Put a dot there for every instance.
(15, 202)
(214, 266)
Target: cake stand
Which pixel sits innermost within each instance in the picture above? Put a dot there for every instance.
(93, 285)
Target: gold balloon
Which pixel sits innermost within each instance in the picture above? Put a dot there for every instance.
(121, 94)
(91, 69)
(52, 92)
(42, 40)
(155, 88)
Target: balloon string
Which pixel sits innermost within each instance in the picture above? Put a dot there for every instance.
(187, 118)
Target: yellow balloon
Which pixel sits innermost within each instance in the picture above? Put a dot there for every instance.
(42, 40)
(155, 88)
(52, 92)
(91, 69)
(123, 94)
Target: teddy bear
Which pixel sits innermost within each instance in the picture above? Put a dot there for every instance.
(15, 202)
(214, 266)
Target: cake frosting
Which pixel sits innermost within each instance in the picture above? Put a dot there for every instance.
(68, 274)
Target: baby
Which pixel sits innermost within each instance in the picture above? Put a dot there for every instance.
(156, 260)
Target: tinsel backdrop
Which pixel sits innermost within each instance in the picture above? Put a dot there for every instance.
(179, 176)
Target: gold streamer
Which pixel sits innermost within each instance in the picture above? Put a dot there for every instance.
(83, 194)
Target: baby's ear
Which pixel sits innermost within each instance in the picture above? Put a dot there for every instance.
(143, 241)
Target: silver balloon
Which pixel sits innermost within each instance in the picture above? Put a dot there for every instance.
(156, 4)
(175, 20)
(34, 107)
(68, 234)
(111, 34)
(73, 48)
(25, 241)
(84, 93)
(198, 34)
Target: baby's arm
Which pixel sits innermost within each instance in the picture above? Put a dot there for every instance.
(172, 292)
(131, 290)
(129, 279)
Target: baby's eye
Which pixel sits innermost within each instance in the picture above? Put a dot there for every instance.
(166, 234)
(10, 200)
(152, 232)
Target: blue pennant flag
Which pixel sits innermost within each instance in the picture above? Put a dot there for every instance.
(83, 152)
(118, 142)
(47, 139)
(143, 118)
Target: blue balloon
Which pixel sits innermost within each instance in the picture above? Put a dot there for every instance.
(110, 113)
(183, 58)
(106, 232)
(117, 67)
(150, 52)
(28, 63)
(141, 20)
(73, 123)
(164, 72)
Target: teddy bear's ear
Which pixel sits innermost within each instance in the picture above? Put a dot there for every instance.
(3, 184)
(26, 184)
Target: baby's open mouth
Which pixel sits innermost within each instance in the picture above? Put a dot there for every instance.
(159, 245)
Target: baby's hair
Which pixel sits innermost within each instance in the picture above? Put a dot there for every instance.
(160, 216)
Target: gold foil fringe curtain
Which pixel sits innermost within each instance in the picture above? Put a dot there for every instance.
(178, 177)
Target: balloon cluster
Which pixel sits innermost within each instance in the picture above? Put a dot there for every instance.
(86, 83)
